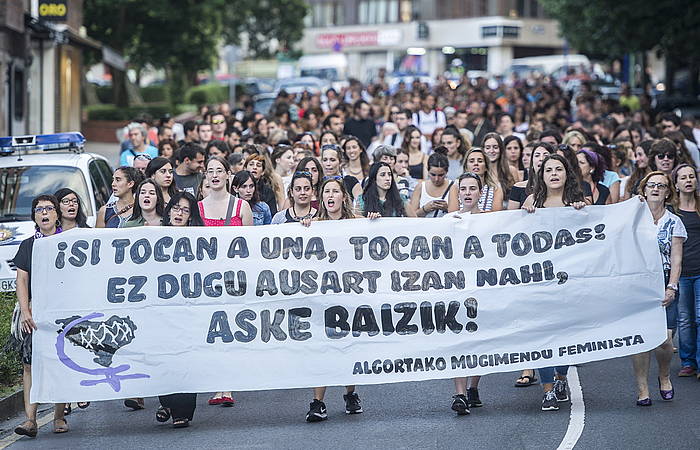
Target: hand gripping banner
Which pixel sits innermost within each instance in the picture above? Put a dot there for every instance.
(155, 310)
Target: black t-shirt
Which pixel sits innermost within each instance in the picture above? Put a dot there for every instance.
(350, 183)
(362, 129)
(23, 259)
(267, 195)
(691, 246)
(517, 194)
(603, 193)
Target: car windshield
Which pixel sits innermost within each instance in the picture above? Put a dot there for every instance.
(20, 184)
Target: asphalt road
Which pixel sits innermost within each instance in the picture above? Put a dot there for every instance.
(403, 415)
(108, 150)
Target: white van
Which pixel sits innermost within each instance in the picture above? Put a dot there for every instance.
(549, 65)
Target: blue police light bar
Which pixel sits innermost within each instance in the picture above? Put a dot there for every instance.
(73, 141)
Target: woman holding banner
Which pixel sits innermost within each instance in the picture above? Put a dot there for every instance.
(469, 186)
(335, 205)
(299, 193)
(46, 213)
(657, 190)
(218, 209)
(492, 192)
(381, 195)
(689, 289)
(181, 211)
(556, 186)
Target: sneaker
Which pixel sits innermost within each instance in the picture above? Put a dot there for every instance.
(561, 391)
(549, 402)
(460, 404)
(317, 411)
(352, 403)
(687, 372)
(473, 398)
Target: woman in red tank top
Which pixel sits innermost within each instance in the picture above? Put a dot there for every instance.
(216, 206)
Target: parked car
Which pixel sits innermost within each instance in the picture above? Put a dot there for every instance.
(298, 85)
(35, 165)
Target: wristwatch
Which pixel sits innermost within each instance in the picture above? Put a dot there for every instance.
(672, 286)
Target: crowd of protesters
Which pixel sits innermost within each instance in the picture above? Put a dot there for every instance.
(412, 151)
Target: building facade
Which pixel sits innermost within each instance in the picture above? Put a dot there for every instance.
(429, 36)
(41, 60)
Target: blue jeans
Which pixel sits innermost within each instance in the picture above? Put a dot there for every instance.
(688, 320)
(547, 373)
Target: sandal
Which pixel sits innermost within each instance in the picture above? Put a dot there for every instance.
(83, 405)
(67, 409)
(181, 423)
(24, 430)
(162, 414)
(60, 428)
(134, 403)
(526, 380)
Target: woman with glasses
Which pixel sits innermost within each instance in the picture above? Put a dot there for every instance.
(299, 194)
(181, 211)
(125, 180)
(161, 171)
(72, 214)
(556, 186)
(243, 186)
(46, 214)
(417, 159)
(658, 192)
(332, 162)
(477, 162)
(435, 196)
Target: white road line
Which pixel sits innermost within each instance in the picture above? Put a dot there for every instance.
(12, 438)
(577, 418)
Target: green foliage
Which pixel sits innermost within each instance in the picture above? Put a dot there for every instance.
(112, 112)
(207, 94)
(263, 21)
(105, 94)
(614, 27)
(155, 94)
(10, 367)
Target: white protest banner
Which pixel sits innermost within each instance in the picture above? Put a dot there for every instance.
(145, 311)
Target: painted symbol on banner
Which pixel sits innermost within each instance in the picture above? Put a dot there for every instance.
(101, 338)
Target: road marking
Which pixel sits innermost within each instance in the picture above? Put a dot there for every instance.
(12, 438)
(577, 418)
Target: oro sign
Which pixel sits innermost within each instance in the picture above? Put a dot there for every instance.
(56, 10)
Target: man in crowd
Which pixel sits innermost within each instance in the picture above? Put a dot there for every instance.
(204, 132)
(505, 126)
(190, 130)
(218, 126)
(478, 124)
(137, 138)
(188, 174)
(360, 124)
(428, 118)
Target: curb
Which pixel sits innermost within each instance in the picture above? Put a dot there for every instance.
(12, 405)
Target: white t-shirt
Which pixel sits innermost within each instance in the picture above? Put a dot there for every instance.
(428, 122)
(668, 227)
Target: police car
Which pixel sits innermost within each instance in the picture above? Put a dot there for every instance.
(42, 164)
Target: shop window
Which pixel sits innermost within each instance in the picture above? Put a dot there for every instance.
(378, 11)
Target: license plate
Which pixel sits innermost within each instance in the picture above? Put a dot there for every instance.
(8, 285)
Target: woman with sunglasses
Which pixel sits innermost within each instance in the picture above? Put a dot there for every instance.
(335, 205)
(477, 162)
(469, 186)
(686, 183)
(181, 211)
(161, 171)
(663, 156)
(46, 214)
(332, 162)
(435, 197)
(657, 190)
(556, 186)
(243, 186)
(300, 193)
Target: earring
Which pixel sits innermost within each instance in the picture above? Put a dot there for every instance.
(58, 223)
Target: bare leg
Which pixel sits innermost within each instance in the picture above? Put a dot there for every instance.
(29, 408)
(319, 393)
(664, 354)
(640, 362)
(460, 385)
(58, 411)
(474, 382)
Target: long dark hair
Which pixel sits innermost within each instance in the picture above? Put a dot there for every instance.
(639, 173)
(515, 138)
(155, 165)
(505, 177)
(238, 180)
(80, 219)
(407, 137)
(297, 176)
(132, 175)
(195, 219)
(364, 159)
(301, 167)
(531, 174)
(596, 163)
(393, 205)
(136, 212)
(570, 155)
(572, 187)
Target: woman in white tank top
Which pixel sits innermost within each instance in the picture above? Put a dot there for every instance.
(435, 196)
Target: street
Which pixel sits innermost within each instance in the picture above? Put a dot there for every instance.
(405, 415)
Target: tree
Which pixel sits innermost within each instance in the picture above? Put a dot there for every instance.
(264, 22)
(616, 27)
